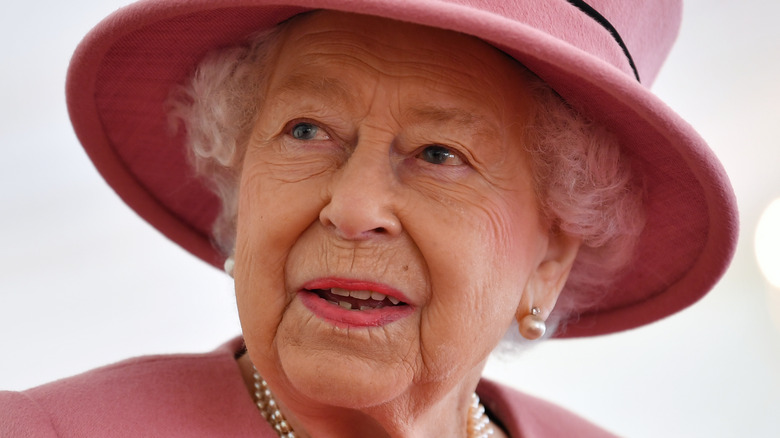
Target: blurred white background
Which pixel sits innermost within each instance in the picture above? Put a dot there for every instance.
(84, 282)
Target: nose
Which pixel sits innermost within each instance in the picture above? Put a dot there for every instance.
(361, 202)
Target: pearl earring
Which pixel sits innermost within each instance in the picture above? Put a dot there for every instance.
(229, 264)
(532, 326)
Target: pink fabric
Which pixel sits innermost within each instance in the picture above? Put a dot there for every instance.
(203, 395)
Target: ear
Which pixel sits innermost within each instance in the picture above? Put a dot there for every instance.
(546, 281)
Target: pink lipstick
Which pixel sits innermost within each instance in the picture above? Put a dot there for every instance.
(354, 303)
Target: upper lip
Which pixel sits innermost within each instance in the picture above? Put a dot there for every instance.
(355, 285)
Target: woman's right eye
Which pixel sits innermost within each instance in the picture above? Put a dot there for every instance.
(308, 131)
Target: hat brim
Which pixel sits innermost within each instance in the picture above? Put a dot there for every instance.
(123, 71)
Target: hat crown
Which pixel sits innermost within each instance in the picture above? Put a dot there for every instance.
(646, 29)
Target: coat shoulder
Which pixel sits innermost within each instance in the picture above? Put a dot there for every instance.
(192, 395)
(527, 416)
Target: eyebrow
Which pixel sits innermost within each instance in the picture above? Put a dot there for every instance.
(332, 88)
(459, 116)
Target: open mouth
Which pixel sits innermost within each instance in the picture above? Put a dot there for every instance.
(357, 300)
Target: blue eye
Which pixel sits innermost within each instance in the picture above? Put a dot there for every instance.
(440, 155)
(305, 131)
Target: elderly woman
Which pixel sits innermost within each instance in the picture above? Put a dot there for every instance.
(395, 186)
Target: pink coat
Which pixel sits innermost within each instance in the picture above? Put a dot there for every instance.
(203, 395)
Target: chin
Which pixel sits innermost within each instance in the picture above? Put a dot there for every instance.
(337, 379)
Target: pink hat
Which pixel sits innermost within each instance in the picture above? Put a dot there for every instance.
(601, 57)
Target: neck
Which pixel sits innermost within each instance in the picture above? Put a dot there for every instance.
(422, 412)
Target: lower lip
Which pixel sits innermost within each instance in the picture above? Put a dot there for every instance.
(344, 318)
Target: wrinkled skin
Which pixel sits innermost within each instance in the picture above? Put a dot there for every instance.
(390, 153)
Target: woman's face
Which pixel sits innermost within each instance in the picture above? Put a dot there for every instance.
(387, 164)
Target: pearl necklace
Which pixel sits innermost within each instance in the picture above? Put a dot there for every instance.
(478, 425)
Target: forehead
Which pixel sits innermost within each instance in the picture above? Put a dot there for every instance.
(337, 53)
(395, 40)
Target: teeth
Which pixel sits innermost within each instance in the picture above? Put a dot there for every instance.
(365, 308)
(339, 292)
(360, 294)
(345, 305)
(377, 296)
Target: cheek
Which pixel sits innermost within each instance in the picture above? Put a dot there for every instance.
(272, 214)
(279, 195)
(489, 239)
(479, 257)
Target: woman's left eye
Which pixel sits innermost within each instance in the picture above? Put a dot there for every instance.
(308, 131)
(440, 155)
